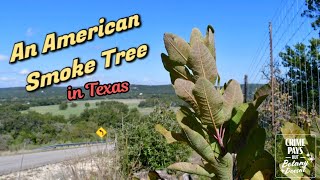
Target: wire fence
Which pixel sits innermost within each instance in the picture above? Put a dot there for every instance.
(296, 64)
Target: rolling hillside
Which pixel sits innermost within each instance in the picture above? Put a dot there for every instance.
(54, 95)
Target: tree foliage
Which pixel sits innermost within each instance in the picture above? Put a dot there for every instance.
(302, 62)
(142, 148)
(313, 12)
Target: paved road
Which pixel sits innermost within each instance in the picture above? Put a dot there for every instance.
(12, 163)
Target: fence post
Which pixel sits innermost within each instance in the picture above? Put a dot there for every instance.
(245, 89)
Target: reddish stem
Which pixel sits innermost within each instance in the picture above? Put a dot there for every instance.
(219, 136)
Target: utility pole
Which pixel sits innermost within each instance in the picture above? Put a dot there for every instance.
(245, 88)
(271, 73)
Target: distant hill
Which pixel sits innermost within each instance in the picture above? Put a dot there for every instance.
(19, 94)
(16, 93)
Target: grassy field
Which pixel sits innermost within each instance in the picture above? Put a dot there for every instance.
(54, 109)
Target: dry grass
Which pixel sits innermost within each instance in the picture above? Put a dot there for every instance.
(99, 166)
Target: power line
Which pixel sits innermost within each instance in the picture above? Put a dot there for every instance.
(252, 64)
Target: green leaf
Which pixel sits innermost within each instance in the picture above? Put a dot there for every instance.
(190, 168)
(311, 146)
(247, 116)
(223, 165)
(254, 146)
(264, 164)
(233, 97)
(177, 48)
(257, 176)
(201, 62)
(170, 136)
(224, 168)
(292, 131)
(183, 89)
(236, 118)
(215, 147)
(209, 41)
(261, 94)
(195, 36)
(210, 103)
(176, 71)
(192, 121)
(195, 138)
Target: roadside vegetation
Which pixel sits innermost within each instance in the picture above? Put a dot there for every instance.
(138, 148)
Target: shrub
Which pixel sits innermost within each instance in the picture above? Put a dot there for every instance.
(5, 141)
(87, 104)
(74, 104)
(63, 106)
(142, 148)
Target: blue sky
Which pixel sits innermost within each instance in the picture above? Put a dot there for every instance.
(240, 27)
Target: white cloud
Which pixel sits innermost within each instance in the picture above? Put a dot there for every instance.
(29, 32)
(24, 71)
(3, 57)
(7, 79)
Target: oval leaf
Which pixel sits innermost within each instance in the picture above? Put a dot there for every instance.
(202, 62)
(233, 97)
(195, 138)
(291, 131)
(190, 168)
(170, 136)
(195, 35)
(261, 94)
(176, 71)
(177, 48)
(210, 102)
(209, 41)
(183, 89)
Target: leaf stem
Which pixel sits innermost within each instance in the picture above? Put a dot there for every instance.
(219, 136)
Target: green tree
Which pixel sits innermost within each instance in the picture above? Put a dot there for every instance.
(313, 12)
(302, 62)
(107, 114)
(87, 104)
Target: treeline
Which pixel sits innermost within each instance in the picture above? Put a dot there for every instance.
(163, 100)
(55, 95)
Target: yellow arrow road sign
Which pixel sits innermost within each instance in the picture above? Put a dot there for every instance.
(101, 132)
